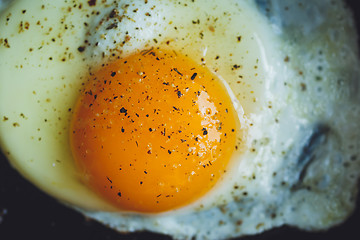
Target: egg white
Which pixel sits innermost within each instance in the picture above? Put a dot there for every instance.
(53, 48)
(48, 50)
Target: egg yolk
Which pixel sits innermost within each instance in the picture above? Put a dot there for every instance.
(153, 131)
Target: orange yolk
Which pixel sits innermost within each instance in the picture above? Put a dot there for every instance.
(153, 131)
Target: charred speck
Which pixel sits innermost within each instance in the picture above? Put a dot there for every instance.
(113, 74)
(169, 151)
(119, 194)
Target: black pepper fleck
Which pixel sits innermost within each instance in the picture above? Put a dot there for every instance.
(123, 110)
(92, 2)
(205, 132)
(177, 71)
(179, 94)
(193, 76)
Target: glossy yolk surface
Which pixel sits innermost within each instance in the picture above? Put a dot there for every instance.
(153, 131)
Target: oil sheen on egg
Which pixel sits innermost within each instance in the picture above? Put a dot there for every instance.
(188, 118)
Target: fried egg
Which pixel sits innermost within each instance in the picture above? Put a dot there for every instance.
(187, 118)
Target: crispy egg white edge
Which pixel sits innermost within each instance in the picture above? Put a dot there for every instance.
(327, 74)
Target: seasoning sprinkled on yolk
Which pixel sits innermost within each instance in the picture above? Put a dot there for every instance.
(153, 131)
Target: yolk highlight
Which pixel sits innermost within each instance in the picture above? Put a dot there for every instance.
(153, 131)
